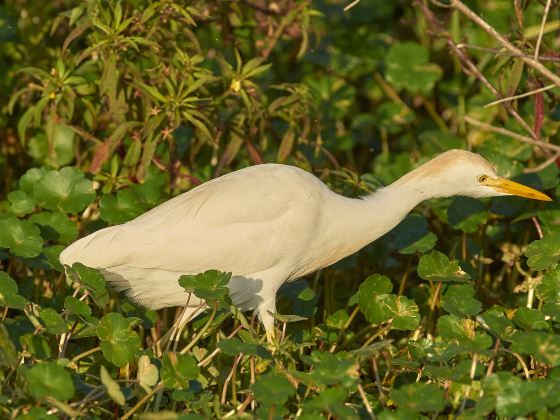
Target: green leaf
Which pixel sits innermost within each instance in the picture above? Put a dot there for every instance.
(37, 345)
(272, 389)
(330, 400)
(329, 369)
(408, 67)
(112, 387)
(76, 307)
(337, 320)
(119, 341)
(52, 321)
(370, 296)
(435, 266)
(49, 380)
(403, 311)
(21, 237)
(544, 253)
(542, 346)
(467, 214)
(30, 178)
(55, 226)
(234, 346)
(515, 398)
(21, 203)
(530, 319)
(419, 397)
(66, 190)
(412, 235)
(178, 370)
(209, 286)
(499, 324)
(121, 208)
(458, 300)
(9, 292)
(94, 282)
(463, 332)
(549, 288)
(8, 353)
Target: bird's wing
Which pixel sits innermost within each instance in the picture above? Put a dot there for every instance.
(235, 223)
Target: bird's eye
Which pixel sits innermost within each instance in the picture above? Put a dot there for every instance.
(482, 178)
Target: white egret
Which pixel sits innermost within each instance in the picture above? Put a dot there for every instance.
(267, 224)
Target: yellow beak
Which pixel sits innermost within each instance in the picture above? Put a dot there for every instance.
(506, 186)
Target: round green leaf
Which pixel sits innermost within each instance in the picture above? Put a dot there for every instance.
(371, 295)
(49, 380)
(21, 237)
(408, 67)
(21, 203)
(549, 288)
(9, 292)
(435, 266)
(56, 226)
(272, 388)
(458, 300)
(52, 321)
(66, 190)
(119, 341)
(544, 253)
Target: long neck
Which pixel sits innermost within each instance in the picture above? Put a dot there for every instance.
(370, 217)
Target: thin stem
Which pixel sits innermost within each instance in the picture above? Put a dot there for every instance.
(228, 378)
(530, 61)
(85, 354)
(541, 31)
(207, 360)
(500, 51)
(511, 134)
(202, 331)
(140, 403)
(522, 95)
(365, 401)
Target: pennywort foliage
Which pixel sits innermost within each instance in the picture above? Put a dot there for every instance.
(107, 109)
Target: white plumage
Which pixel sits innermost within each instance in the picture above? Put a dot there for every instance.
(266, 224)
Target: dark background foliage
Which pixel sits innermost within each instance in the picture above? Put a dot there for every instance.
(108, 108)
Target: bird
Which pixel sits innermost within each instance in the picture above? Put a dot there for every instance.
(266, 225)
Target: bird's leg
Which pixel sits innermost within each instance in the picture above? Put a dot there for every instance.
(265, 311)
(270, 334)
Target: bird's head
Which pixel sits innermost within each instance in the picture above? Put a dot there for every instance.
(458, 172)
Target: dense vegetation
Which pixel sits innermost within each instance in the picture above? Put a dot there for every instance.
(108, 108)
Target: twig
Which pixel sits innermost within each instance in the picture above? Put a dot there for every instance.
(142, 402)
(541, 31)
(500, 51)
(530, 61)
(365, 401)
(228, 378)
(469, 67)
(377, 379)
(522, 95)
(284, 23)
(349, 6)
(202, 331)
(474, 71)
(205, 361)
(543, 165)
(511, 134)
(85, 354)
